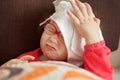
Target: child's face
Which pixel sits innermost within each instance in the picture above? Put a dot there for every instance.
(52, 43)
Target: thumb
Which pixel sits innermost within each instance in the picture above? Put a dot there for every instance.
(27, 57)
(73, 18)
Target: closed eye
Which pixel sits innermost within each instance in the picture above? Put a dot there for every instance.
(50, 28)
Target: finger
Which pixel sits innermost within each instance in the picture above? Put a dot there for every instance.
(73, 18)
(97, 20)
(27, 57)
(82, 8)
(77, 11)
(89, 10)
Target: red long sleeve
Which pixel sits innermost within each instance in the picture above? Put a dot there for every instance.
(96, 60)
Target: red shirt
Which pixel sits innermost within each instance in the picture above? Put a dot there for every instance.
(95, 59)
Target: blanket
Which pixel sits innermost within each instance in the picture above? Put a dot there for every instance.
(45, 70)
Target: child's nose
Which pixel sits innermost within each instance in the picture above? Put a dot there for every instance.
(54, 38)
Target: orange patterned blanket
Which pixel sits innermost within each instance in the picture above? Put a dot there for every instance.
(46, 70)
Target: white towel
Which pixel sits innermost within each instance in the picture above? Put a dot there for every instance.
(74, 42)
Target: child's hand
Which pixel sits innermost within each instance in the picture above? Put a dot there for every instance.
(16, 61)
(85, 21)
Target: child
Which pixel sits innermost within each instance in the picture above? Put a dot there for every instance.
(55, 45)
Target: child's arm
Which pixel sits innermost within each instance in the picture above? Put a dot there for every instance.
(96, 53)
(96, 60)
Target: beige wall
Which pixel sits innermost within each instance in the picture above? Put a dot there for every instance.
(115, 57)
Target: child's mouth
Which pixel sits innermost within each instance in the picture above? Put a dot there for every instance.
(50, 47)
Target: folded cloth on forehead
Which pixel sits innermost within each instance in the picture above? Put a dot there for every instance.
(74, 42)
